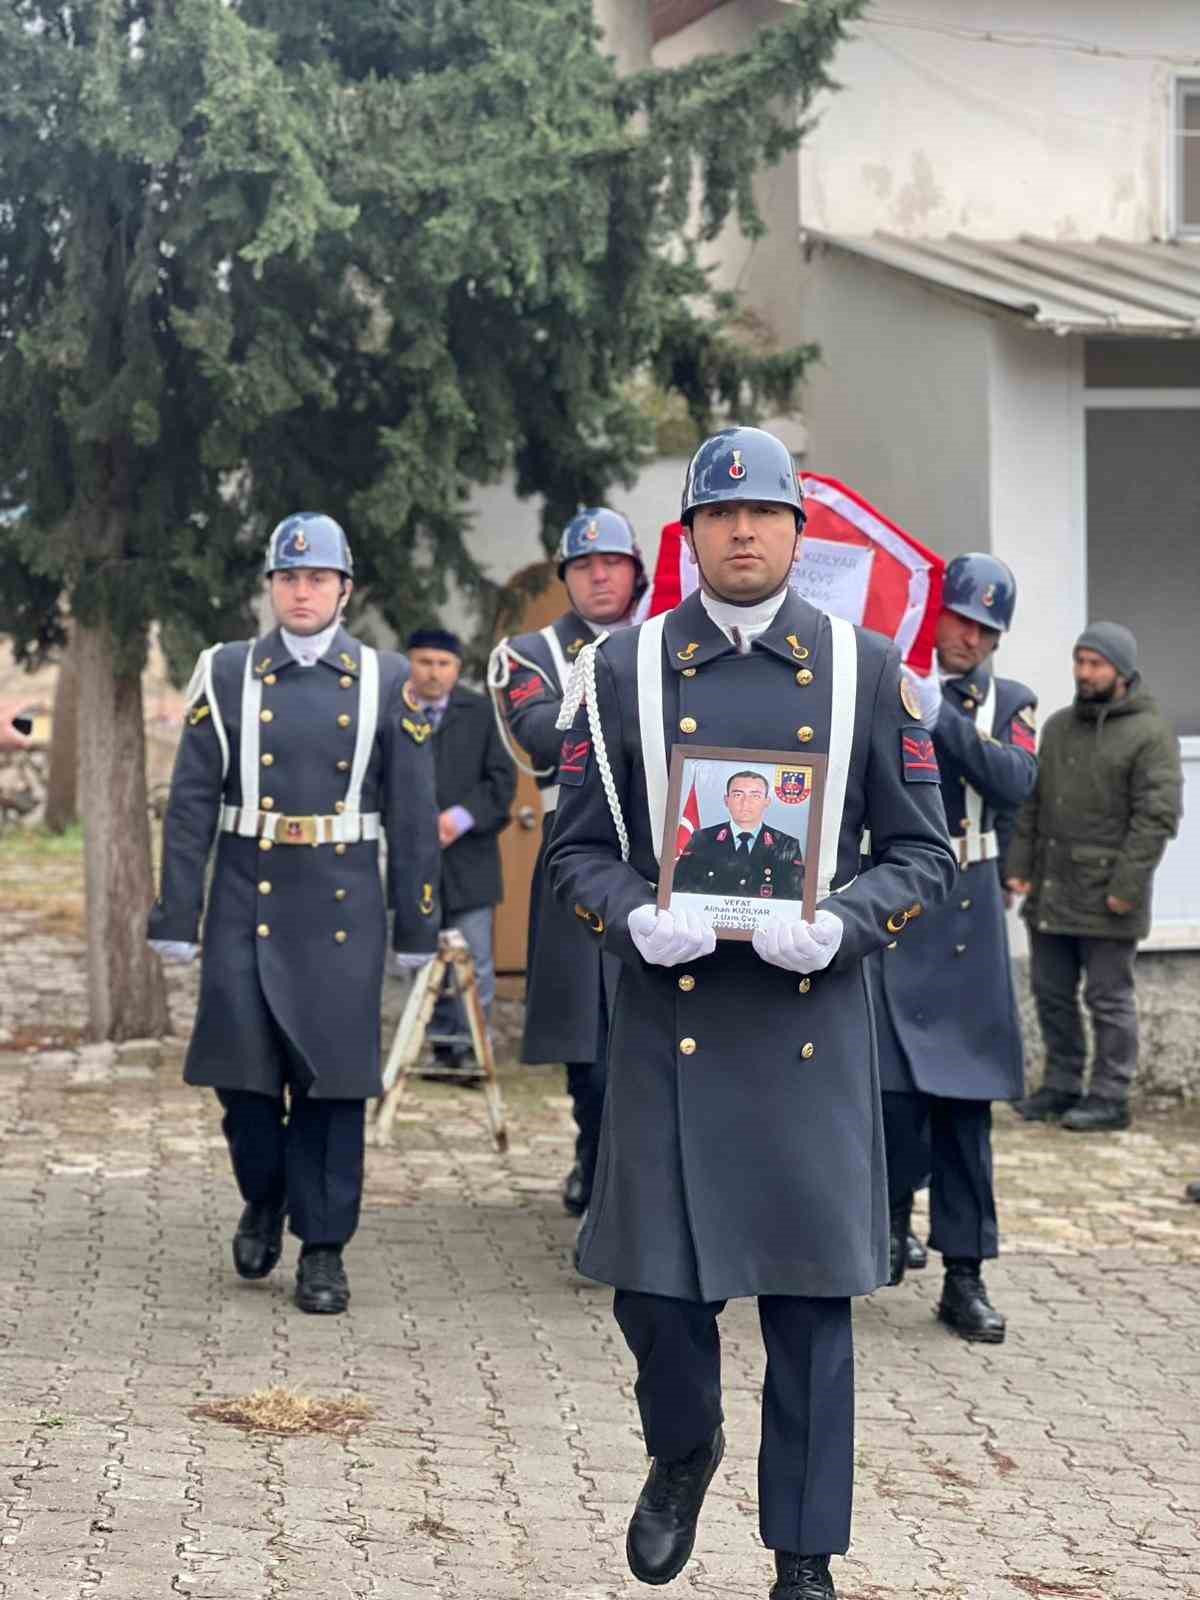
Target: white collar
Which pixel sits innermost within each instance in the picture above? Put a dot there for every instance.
(750, 621)
(597, 628)
(307, 649)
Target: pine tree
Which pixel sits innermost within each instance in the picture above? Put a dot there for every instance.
(259, 255)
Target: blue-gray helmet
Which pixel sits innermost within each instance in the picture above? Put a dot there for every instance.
(742, 464)
(597, 531)
(982, 588)
(309, 539)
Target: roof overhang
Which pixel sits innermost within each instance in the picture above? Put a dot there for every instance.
(1107, 286)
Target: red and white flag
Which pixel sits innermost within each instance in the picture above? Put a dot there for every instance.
(689, 821)
(854, 563)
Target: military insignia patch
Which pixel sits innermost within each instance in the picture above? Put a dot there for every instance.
(425, 904)
(593, 532)
(917, 758)
(573, 760)
(418, 732)
(348, 662)
(300, 543)
(1023, 728)
(737, 470)
(686, 655)
(908, 699)
(988, 597)
(799, 651)
(575, 646)
(521, 693)
(263, 666)
(793, 785)
(198, 716)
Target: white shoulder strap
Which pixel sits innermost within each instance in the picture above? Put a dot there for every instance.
(561, 665)
(249, 747)
(985, 716)
(650, 722)
(368, 723)
(843, 698)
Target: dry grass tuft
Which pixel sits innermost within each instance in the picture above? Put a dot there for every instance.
(287, 1411)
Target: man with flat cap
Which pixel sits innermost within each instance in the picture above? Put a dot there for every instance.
(476, 781)
(1084, 852)
(298, 750)
(742, 1147)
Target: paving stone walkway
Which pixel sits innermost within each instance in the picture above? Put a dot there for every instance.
(502, 1458)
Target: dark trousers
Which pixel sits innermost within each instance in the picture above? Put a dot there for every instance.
(1058, 960)
(586, 1083)
(951, 1140)
(806, 1459)
(306, 1154)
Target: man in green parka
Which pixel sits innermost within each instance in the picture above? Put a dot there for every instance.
(1083, 854)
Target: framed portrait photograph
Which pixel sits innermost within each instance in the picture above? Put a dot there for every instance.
(743, 836)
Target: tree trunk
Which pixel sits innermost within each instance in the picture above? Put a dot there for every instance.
(126, 994)
(62, 783)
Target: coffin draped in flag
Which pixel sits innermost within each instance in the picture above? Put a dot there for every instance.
(855, 563)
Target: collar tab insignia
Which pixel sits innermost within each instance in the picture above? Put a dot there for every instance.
(575, 646)
(689, 652)
(799, 651)
(263, 666)
(348, 662)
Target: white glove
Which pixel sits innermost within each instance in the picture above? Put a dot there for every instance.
(669, 938)
(800, 946)
(929, 695)
(404, 962)
(176, 952)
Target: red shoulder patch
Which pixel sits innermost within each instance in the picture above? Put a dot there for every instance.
(1022, 735)
(522, 692)
(918, 760)
(573, 760)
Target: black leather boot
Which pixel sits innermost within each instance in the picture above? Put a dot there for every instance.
(965, 1306)
(1047, 1105)
(901, 1216)
(662, 1529)
(1093, 1115)
(916, 1254)
(574, 1194)
(258, 1242)
(321, 1283)
(802, 1578)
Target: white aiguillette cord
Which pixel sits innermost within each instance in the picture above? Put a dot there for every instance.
(581, 690)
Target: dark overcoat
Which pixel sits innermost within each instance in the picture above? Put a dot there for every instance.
(742, 1145)
(294, 937)
(475, 771)
(774, 869)
(948, 1021)
(563, 968)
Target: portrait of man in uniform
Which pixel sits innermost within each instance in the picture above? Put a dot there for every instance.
(751, 854)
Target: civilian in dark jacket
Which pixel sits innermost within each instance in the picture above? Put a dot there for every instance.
(1083, 854)
(476, 782)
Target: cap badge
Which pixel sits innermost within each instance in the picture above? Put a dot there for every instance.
(737, 471)
(300, 543)
(989, 595)
(593, 532)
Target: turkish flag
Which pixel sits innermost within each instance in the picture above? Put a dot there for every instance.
(855, 563)
(689, 821)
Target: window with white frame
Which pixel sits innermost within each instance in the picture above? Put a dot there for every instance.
(1187, 157)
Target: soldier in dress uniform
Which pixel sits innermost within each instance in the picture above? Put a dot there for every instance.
(742, 1149)
(741, 857)
(298, 748)
(566, 1009)
(949, 1036)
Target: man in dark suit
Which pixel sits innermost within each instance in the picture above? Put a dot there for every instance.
(741, 857)
(476, 782)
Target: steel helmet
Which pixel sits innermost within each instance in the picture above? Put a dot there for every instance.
(309, 539)
(982, 588)
(742, 464)
(597, 531)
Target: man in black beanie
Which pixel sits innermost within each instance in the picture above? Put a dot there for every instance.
(1083, 854)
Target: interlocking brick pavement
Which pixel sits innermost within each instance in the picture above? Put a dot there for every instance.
(503, 1456)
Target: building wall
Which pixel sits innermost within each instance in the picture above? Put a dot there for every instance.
(1056, 124)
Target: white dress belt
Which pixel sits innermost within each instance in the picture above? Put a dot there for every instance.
(347, 828)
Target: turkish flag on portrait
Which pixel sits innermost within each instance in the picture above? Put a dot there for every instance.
(689, 821)
(854, 563)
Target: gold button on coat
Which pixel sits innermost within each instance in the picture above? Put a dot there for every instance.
(339, 849)
(268, 760)
(263, 931)
(339, 806)
(687, 1046)
(804, 734)
(264, 887)
(687, 983)
(339, 894)
(270, 680)
(960, 949)
(346, 682)
(265, 844)
(689, 672)
(804, 677)
(805, 985)
(966, 905)
(343, 720)
(343, 766)
(808, 1051)
(341, 936)
(267, 803)
(968, 705)
(266, 716)
(687, 724)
